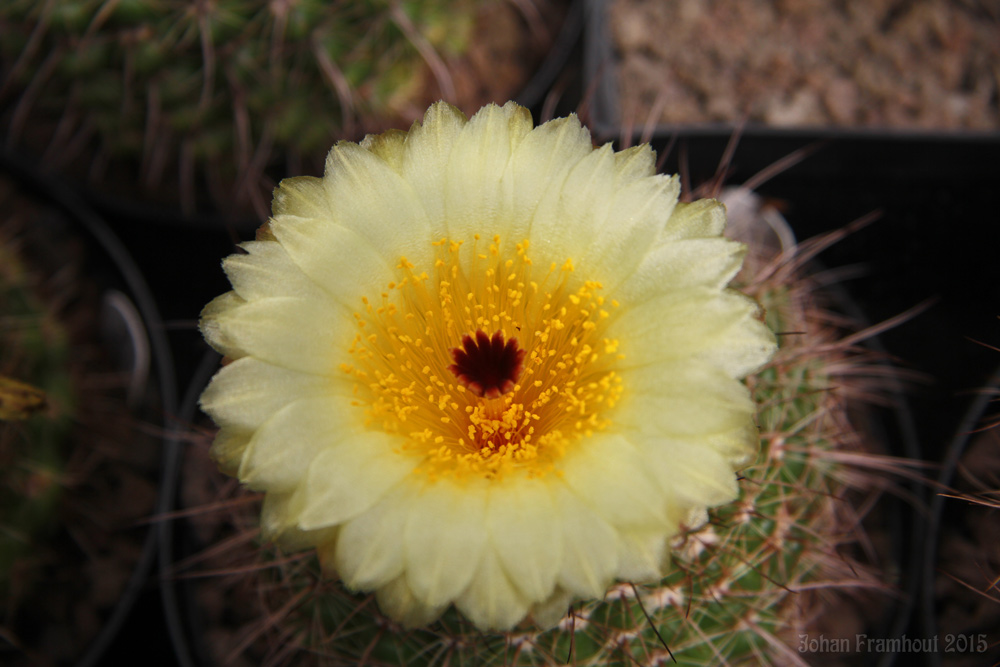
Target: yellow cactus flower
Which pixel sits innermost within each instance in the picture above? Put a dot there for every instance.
(485, 364)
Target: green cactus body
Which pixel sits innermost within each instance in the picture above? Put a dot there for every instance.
(228, 86)
(743, 585)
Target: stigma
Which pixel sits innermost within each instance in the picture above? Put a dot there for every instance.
(488, 367)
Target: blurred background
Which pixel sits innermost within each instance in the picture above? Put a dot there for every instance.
(141, 140)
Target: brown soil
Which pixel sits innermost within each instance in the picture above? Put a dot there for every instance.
(916, 64)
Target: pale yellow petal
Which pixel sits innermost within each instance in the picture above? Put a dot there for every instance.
(539, 165)
(294, 333)
(524, 531)
(694, 473)
(249, 391)
(389, 146)
(696, 518)
(284, 447)
(476, 198)
(491, 601)
(294, 539)
(636, 212)
(376, 203)
(590, 553)
(425, 163)
(369, 547)
(607, 471)
(634, 163)
(547, 614)
(277, 525)
(642, 555)
(680, 265)
(748, 349)
(301, 197)
(398, 602)
(339, 260)
(571, 222)
(445, 539)
(719, 328)
(214, 334)
(703, 218)
(274, 516)
(683, 398)
(266, 270)
(740, 446)
(602, 214)
(347, 479)
(228, 447)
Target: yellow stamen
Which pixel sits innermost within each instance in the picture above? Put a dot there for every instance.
(403, 350)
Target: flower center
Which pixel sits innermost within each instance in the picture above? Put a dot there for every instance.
(487, 366)
(475, 405)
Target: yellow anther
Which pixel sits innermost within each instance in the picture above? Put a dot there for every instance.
(403, 351)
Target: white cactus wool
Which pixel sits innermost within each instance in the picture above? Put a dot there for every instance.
(482, 363)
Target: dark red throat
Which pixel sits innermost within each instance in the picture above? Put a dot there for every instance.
(488, 367)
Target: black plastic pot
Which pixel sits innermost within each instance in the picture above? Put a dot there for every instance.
(948, 520)
(934, 242)
(181, 614)
(606, 118)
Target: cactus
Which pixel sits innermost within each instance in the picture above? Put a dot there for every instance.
(36, 409)
(36, 412)
(221, 89)
(742, 588)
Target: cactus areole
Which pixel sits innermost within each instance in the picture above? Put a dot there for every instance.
(484, 364)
